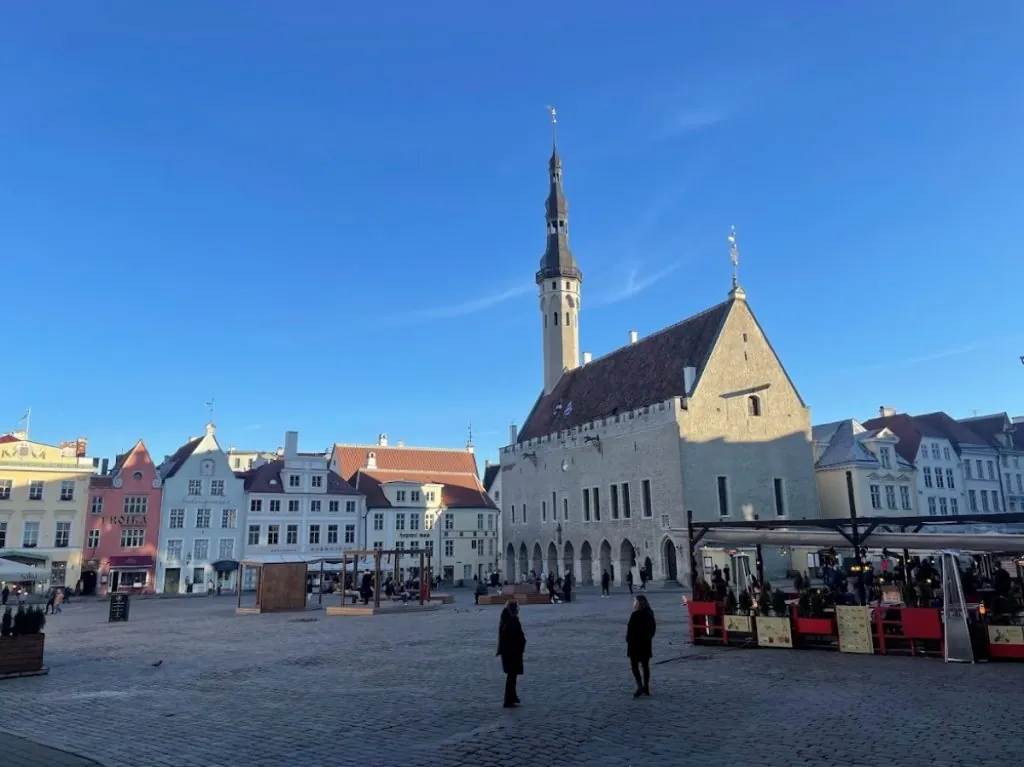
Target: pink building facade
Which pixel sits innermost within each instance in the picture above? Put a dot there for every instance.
(122, 527)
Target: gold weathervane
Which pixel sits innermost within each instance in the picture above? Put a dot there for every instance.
(554, 124)
(734, 257)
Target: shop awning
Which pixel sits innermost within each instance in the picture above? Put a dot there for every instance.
(25, 556)
(140, 561)
(225, 565)
(18, 571)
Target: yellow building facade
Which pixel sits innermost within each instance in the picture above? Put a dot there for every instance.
(44, 494)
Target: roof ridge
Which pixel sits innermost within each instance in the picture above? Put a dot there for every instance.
(657, 333)
(459, 450)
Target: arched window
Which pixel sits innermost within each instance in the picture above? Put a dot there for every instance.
(554, 317)
(753, 405)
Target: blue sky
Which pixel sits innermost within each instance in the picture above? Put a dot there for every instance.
(329, 218)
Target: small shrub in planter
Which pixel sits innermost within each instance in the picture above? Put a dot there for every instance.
(764, 601)
(779, 606)
(7, 623)
(730, 602)
(744, 602)
(702, 591)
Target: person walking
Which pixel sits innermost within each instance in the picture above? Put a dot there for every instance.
(605, 580)
(5, 594)
(511, 646)
(58, 599)
(629, 580)
(639, 637)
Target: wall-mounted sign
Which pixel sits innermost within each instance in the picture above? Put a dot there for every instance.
(127, 519)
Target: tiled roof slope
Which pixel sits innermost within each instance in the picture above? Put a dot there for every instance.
(454, 469)
(643, 373)
(909, 430)
(171, 466)
(956, 432)
(267, 479)
(991, 427)
(846, 445)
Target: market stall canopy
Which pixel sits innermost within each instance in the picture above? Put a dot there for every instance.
(975, 542)
(16, 571)
(225, 565)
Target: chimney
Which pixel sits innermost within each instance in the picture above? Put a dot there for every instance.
(291, 444)
(401, 443)
(886, 412)
(632, 336)
(382, 440)
(371, 460)
(104, 466)
(487, 463)
(689, 378)
(513, 434)
(586, 358)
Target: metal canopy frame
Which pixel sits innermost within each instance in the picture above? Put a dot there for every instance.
(853, 529)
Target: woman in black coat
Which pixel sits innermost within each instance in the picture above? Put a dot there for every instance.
(639, 636)
(511, 646)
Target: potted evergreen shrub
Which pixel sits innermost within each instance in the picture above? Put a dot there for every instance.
(811, 618)
(745, 603)
(22, 641)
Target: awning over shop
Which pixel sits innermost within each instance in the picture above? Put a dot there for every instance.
(25, 556)
(225, 565)
(141, 562)
(18, 571)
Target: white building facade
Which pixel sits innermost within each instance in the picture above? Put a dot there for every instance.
(424, 500)
(1007, 439)
(202, 518)
(298, 509)
(861, 470)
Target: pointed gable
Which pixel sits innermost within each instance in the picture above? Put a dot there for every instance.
(634, 376)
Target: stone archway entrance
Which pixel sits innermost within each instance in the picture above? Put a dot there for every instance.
(510, 564)
(605, 559)
(568, 560)
(586, 565)
(552, 563)
(538, 561)
(669, 555)
(627, 560)
(524, 561)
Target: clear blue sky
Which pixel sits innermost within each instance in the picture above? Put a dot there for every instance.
(328, 215)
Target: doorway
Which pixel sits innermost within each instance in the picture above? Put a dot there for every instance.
(172, 580)
(89, 579)
(671, 572)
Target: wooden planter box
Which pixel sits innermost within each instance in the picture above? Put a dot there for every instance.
(705, 608)
(21, 654)
(1006, 642)
(816, 626)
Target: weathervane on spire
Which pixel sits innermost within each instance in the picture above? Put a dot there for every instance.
(554, 125)
(210, 405)
(734, 257)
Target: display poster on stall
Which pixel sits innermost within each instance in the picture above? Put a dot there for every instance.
(854, 624)
(954, 612)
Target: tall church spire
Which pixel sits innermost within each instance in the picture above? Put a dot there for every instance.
(558, 279)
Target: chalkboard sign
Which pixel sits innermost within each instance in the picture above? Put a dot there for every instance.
(119, 604)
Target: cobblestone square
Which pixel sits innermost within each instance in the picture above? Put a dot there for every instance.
(306, 690)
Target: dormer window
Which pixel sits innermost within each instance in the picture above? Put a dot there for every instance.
(754, 405)
(414, 496)
(317, 480)
(885, 455)
(400, 496)
(294, 480)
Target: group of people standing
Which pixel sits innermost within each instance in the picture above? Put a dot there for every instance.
(640, 631)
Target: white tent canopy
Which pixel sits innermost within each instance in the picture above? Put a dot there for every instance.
(15, 571)
(991, 542)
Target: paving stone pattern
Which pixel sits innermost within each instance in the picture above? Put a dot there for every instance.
(424, 690)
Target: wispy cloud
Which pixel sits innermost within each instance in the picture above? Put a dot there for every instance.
(684, 121)
(939, 355)
(480, 304)
(634, 284)
(253, 427)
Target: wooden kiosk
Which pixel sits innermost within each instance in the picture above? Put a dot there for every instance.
(280, 587)
(375, 606)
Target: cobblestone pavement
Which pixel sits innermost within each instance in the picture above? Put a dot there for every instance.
(421, 690)
(20, 752)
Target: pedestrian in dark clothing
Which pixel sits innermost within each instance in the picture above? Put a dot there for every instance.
(511, 646)
(551, 586)
(629, 580)
(5, 594)
(366, 588)
(567, 587)
(605, 580)
(639, 636)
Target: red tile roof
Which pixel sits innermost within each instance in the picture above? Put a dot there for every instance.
(643, 373)
(267, 479)
(455, 470)
(9, 438)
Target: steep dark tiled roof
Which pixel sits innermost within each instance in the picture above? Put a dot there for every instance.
(267, 479)
(490, 474)
(956, 432)
(644, 373)
(993, 427)
(176, 461)
(909, 430)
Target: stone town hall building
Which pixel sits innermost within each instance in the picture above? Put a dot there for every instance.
(700, 415)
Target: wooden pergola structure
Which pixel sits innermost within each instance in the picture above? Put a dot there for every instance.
(426, 570)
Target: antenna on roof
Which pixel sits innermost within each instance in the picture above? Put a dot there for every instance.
(210, 407)
(469, 442)
(554, 126)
